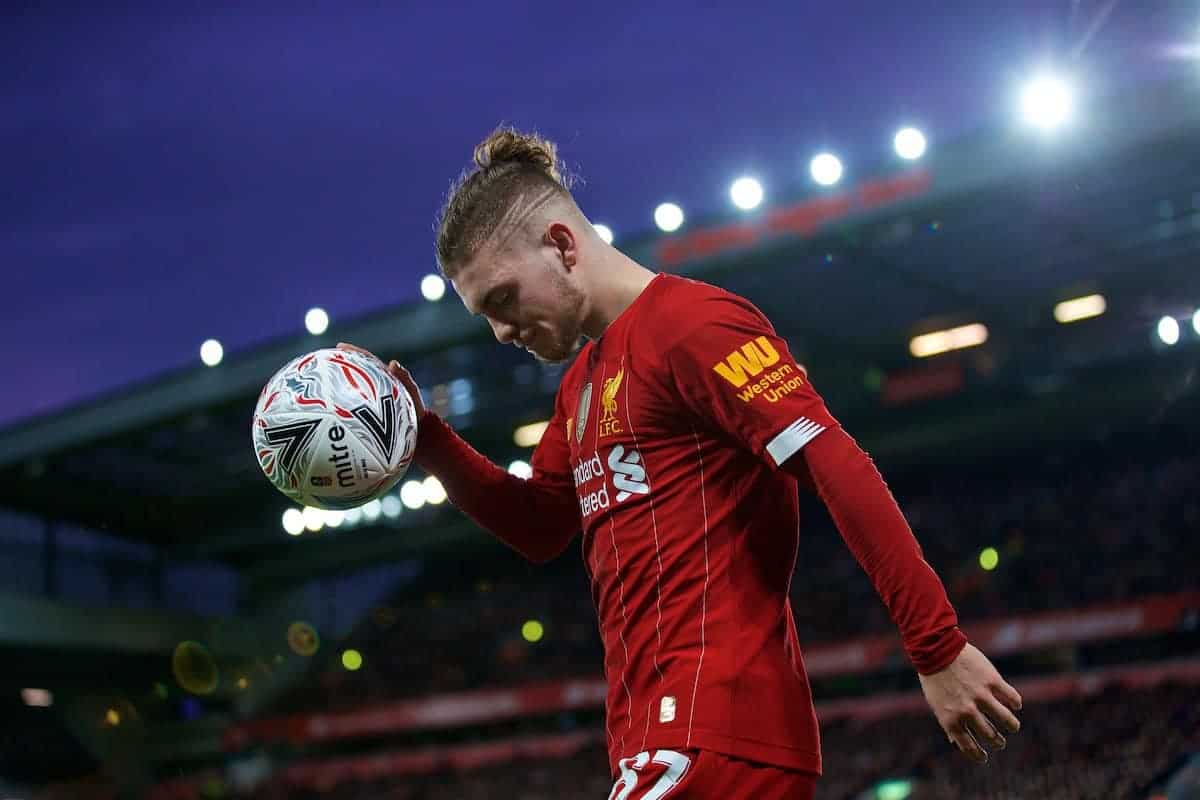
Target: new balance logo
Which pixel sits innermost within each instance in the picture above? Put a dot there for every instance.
(747, 361)
(628, 474)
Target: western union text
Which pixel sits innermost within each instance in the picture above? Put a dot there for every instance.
(773, 385)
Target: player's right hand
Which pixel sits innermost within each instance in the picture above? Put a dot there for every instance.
(396, 371)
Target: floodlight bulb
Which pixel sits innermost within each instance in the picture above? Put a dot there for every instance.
(316, 321)
(668, 217)
(746, 193)
(433, 288)
(909, 144)
(826, 169)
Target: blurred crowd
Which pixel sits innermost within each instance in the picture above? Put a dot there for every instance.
(1068, 529)
(1115, 744)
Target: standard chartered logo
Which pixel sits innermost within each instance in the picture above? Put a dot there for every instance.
(628, 474)
(628, 478)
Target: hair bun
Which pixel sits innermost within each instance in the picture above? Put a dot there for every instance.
(508, 146)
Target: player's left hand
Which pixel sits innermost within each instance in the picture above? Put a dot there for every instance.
(973, 704)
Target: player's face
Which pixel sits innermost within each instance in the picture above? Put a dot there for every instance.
(527, 297)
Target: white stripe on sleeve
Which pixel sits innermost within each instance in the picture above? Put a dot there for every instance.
(792, 438)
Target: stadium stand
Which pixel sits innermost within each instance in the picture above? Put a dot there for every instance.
(1105, 522)
(1106, 740)
(1071, 451)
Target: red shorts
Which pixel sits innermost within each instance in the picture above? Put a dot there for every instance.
(705, 775)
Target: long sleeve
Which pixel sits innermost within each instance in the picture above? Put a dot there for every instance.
(734, 371)
(876, 532)
(537, 517)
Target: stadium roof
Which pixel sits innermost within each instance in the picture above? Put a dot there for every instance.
(994, 229)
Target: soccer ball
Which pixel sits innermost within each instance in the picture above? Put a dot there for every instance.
(334, 430)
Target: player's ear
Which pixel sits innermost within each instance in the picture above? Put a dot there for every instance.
(562, 239)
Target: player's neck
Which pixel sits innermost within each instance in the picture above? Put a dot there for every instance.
(621, 281)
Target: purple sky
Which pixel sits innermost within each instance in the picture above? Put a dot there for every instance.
(174, 175)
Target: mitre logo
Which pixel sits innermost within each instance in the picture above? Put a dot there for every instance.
(609, 423)
(747, 361)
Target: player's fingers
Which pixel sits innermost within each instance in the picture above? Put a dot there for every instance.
(1007, 695)
(401, 374)
(406, 380)
(960, 737)
(986, 732)
(392, 367)
(998, 713)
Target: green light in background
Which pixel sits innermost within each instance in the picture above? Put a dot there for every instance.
(352, 660)
(532, 631)
(893, 790)
(989, 558)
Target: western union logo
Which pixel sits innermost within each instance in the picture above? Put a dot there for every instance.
(747, 361)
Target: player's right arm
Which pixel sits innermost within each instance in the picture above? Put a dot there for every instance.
(537, 517)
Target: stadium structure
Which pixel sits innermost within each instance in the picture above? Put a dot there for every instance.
(166, 637)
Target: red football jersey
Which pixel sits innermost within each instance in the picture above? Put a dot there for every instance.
(672, 427)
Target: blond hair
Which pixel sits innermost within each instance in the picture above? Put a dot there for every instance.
(510, 167)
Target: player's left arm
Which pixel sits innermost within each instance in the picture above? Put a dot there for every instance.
(734, 370)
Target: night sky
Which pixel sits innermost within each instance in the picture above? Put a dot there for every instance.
(173, 173)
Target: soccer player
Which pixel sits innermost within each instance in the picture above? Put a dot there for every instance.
(680, 435)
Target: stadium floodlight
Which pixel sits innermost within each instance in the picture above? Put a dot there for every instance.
(112, 717)
(314, 518)
(293, 521)
(37, 698)
(211, 352)
(1196, 322)
(529, 435)
(931, 344)
(334, 518)
(909, 143)
(372, 510)
(746, 193)
(433, 288)
(825, 169)
(1046, 102)
(353, 516)
(1093, 305)
(352, 659)
(604, 232)
(435, 493)
(316, 321)
(1168, 330)
(521, 469)
(412, 494)
(391, 506)
(668, 217)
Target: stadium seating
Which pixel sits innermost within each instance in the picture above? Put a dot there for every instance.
(1111, 745)
(1071, 529)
